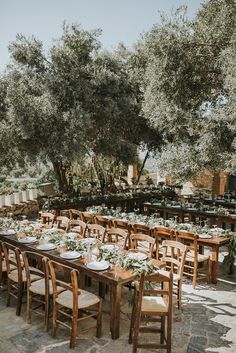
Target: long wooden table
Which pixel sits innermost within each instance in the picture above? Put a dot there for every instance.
(214, 243)
(106, 277)
(192, 214)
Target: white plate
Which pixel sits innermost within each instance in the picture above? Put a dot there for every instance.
(98, 265)
(137, 256)
(205, 236)
(70, 255)
(109, 247)
(88, 241)
(8, 232)
(47, 246)
(28, 240)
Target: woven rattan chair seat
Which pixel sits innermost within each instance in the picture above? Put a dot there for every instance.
(14, 276)
(85, 299)
(38, 287)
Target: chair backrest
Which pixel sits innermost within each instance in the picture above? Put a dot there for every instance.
(13, 259)
(77, 226)
(74, 214)
(62, 222)
(160, 234)
(36, 264)
(47, 218)
(188, 238)
(71, 282)
(142, 242)
(87, 217)
(97, 231)
(120, 223)
(174, 255)
(102, 221)
(160, 286)
(117, 235)
(141, 228)
(2, 260)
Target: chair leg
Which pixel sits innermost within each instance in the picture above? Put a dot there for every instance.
(208, 271)
(8, 292)
(74, 331)
(169, 334)
(131, 329)
(162, 335)
(19, 299)
(194, 276)
(29, 307)
(46, 314)
(54, 319)
(179, 294)
(136, 334)
(99, 320)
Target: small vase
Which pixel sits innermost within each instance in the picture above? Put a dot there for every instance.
(25, 195)
(32, 194)
(9, 199)
(17, 197)
(2, 201)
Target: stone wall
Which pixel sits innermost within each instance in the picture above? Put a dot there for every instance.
(27, 208)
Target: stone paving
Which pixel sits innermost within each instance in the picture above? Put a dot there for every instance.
(207, 323)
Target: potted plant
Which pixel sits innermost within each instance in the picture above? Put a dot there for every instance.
(24, 191)
(32, 191)
(9, 198)
(17, 195)
(2, 198)
(229, 259)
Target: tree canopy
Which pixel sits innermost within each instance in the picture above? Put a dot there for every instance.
(78, 100)
(186, 85)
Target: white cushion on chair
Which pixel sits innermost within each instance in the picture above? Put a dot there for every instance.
(85, 299)
(154, 303)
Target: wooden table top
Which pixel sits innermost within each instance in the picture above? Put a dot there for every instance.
(107, 276)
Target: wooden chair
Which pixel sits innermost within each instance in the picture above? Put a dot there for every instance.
(143, 242)
(194, 258)
(155, 306)
(62, 222)
(160, 234)
(16, 276)
(73, 303)
(3, 268)
(87, 217)
(102, 221)
(141, 228)
(77, 226)
(174, 254)
(96, 231)
(74, 214)
(120, 223)
(40, 290)
(47, 219)
(117, 235)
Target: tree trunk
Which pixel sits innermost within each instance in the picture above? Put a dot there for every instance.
(64, 176)
(142, 167)
(100, 174)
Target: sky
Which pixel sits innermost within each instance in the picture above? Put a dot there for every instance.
(120, 20)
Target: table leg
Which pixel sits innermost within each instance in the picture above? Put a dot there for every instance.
(214, 263)
(115, 298)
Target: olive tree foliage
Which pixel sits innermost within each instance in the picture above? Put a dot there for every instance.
(74, 102)
(184, 74)
(9, 152)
